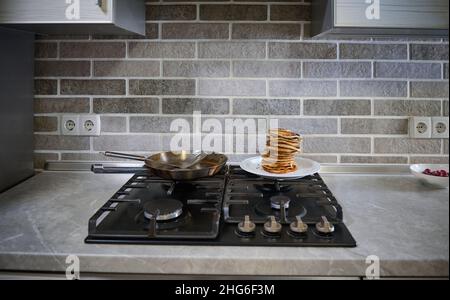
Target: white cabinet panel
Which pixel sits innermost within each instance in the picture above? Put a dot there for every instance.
(110, 17)
(380, 18)
(429, 14)
(58, 11)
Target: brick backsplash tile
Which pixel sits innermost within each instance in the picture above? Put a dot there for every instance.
(302, 88)
(83, 156)
(373, 51)
(266, 107)
(429, 52)
(189, 105)
(171, 12)
(337, 69)
(92, 87)
(130, 143)
(336, 145)
(369, 88)
(374, 126)
(290, 12)
(45, 87)
(408, 70)
(151, 32)
(196, 68)
(62, 68)
(407, 108)
(315, 107)
(238, 157)
(41, 158)
(428, 89)
(310, 126)
(374, 159)
(59, 142)
(61, 105)
(92, 50)
(283, 50)
(45, 50)
(65, 37)
(113, 124)
(126, 69)
(155, 124)
(233, 12)
(241, 59)
(162, 87)
(161, 50)
(406, 145)
(126, 105)
(195, 31)
(261, 69)
(231, 87)
(279, 31)
(230, 50)
(429, 160)
(323, 159)
(45, 124)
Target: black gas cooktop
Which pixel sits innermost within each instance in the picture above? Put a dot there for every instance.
(233, 208)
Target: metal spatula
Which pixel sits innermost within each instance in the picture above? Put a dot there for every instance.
(189, 161)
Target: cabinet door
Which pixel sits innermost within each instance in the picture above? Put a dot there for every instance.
(410, 14)
(56, 11)
(16, 106)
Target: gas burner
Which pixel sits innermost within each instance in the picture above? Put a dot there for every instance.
(274, 187)
(264, 208)
(276, 202)
(163, 209)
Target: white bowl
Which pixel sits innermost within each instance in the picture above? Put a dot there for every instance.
(440, 182)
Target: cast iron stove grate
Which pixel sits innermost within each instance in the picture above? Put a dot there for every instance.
(146, 210)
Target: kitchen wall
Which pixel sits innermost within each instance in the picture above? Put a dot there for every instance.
(249, 59)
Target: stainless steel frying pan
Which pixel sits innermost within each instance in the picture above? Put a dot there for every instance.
(163, 164)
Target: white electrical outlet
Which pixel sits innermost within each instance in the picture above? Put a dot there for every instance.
(439, 127)
(70, 125)
(420, 127)
(90, 125)
(81, 125)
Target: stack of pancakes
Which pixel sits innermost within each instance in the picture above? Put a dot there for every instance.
(281, 147)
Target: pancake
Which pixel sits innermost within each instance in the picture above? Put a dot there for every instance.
(281, 147)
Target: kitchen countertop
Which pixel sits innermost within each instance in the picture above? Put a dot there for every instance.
(394, 217)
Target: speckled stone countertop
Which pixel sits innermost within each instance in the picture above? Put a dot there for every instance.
(404, 223)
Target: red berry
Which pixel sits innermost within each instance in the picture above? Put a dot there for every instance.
(438, 173)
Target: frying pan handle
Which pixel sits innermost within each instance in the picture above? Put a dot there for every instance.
(124, 155)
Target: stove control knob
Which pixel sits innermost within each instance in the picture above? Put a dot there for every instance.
(272, 226)
(247, 226)
(298, 226)
(324, 226)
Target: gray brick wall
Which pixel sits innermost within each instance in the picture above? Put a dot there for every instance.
(250, 59)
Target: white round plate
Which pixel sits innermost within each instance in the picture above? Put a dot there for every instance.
(306, 167)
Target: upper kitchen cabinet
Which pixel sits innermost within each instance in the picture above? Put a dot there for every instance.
(408, 18)
(109, 17)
